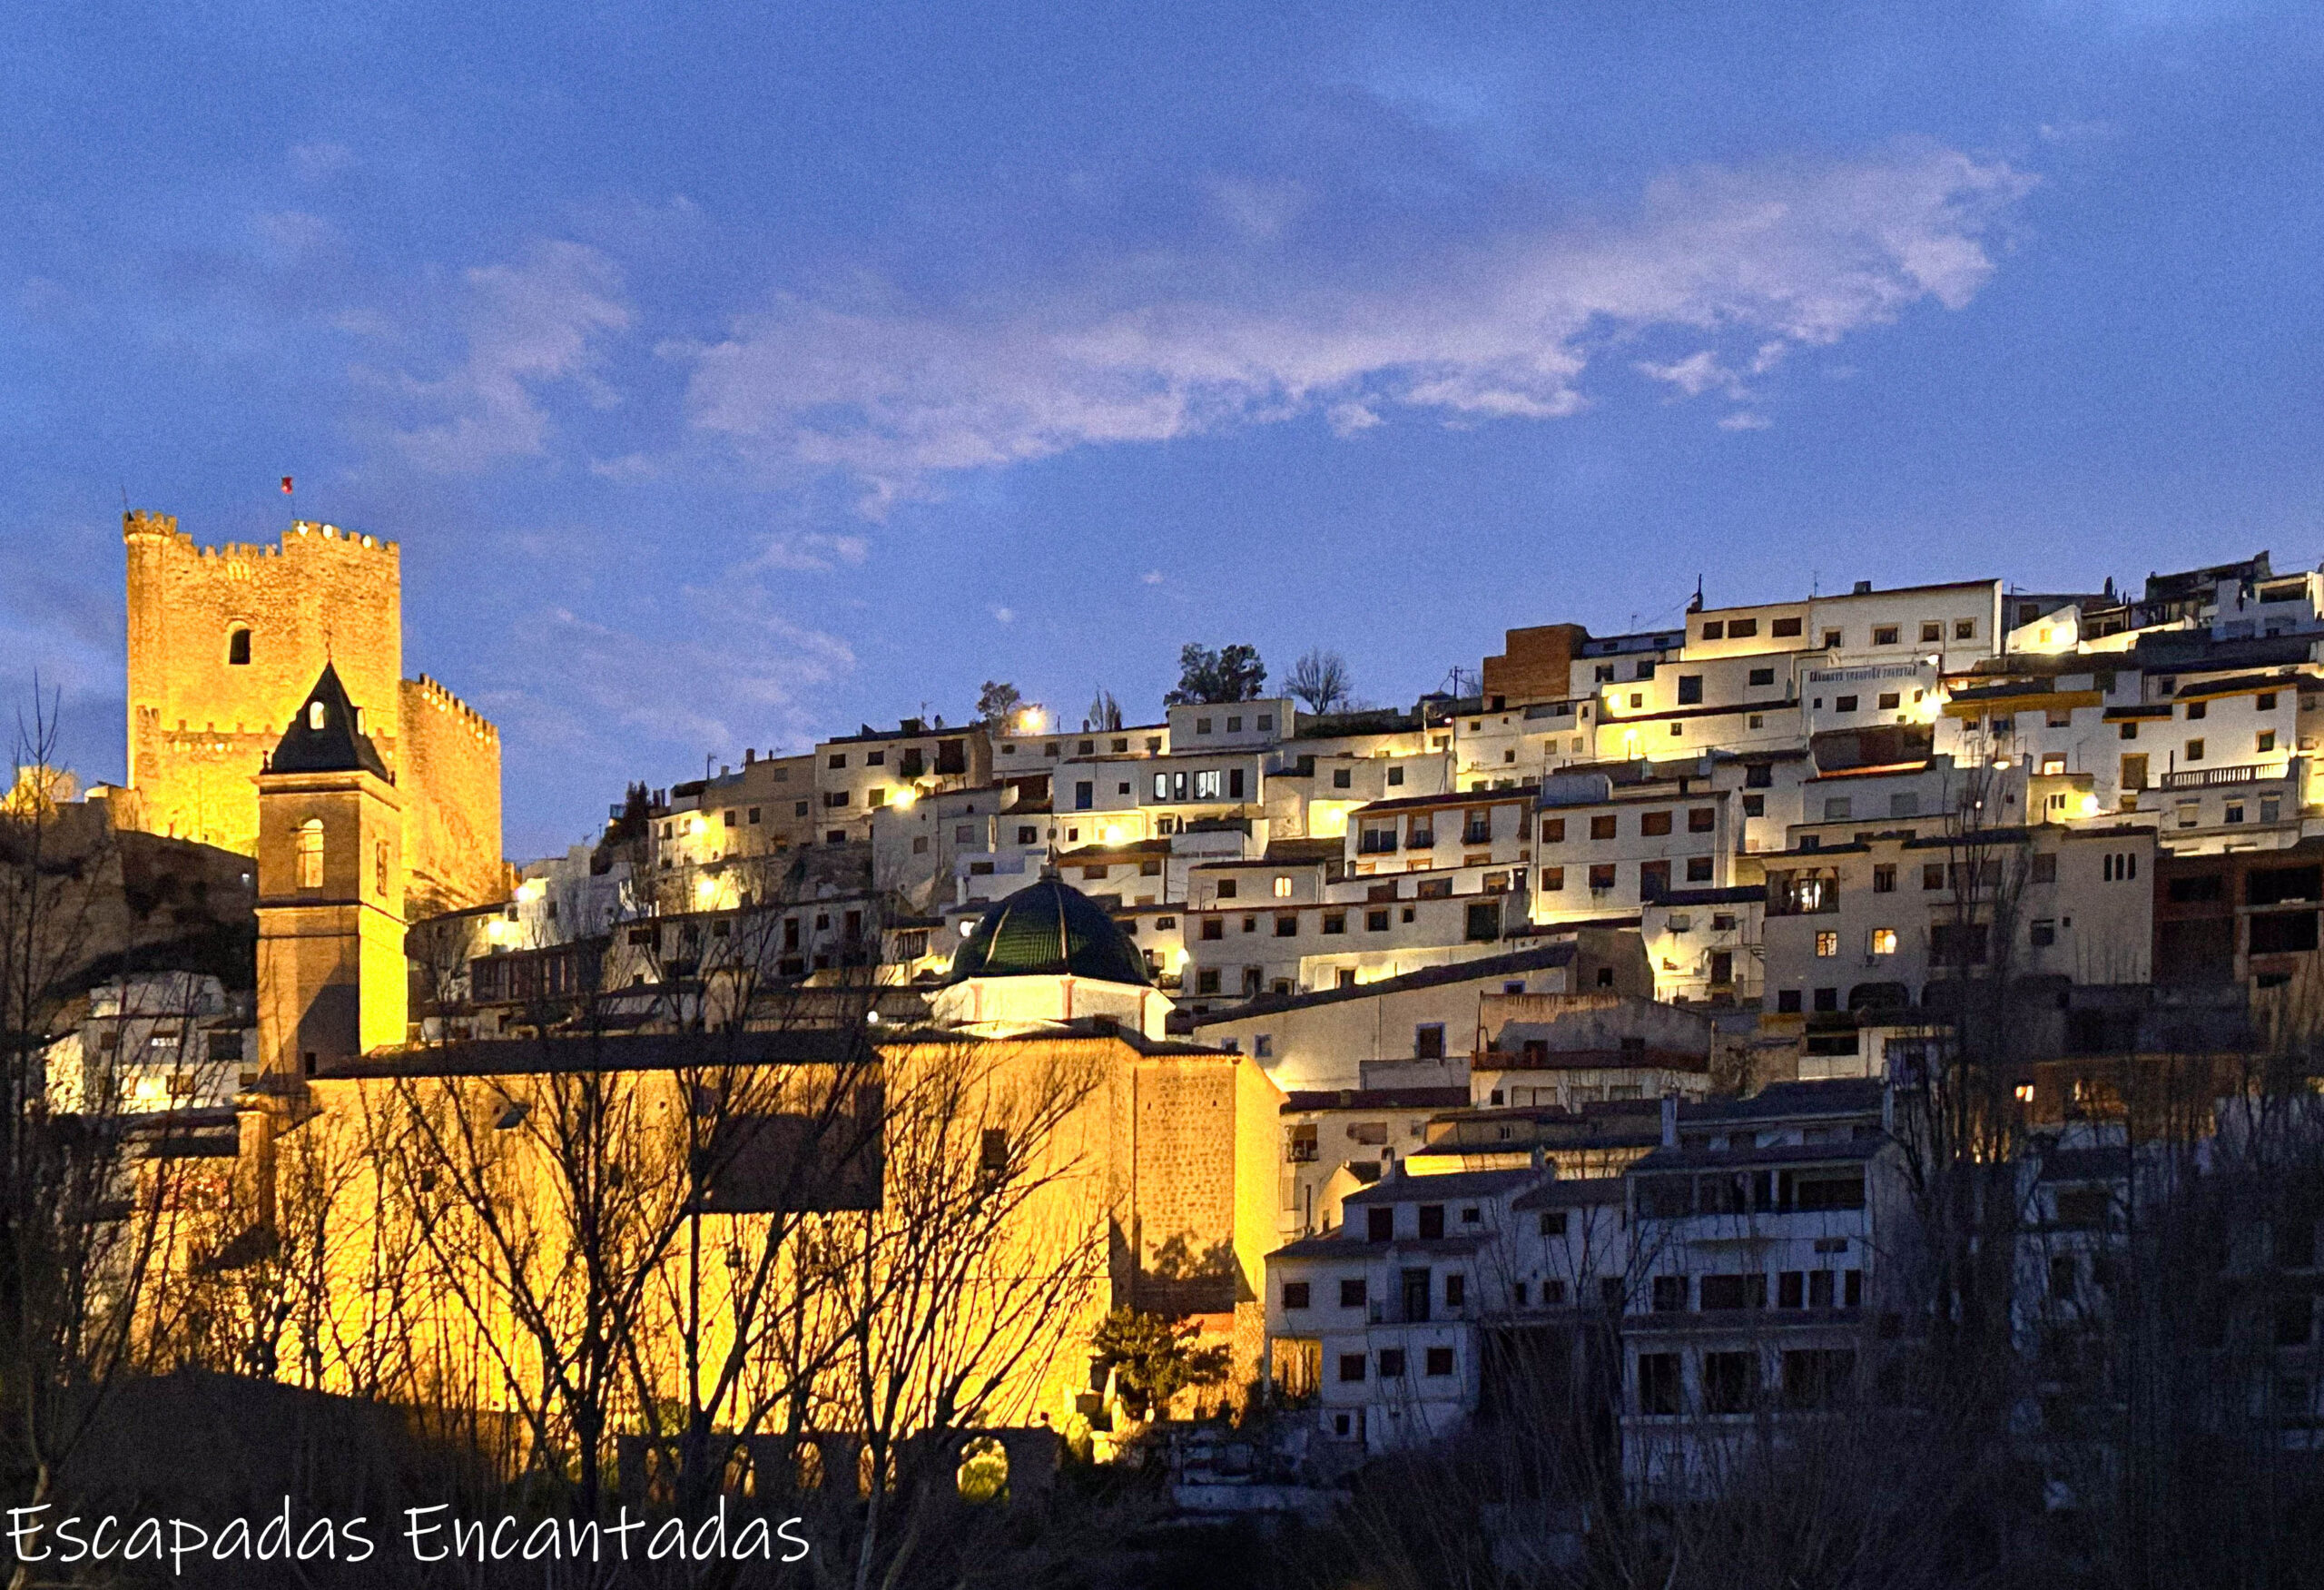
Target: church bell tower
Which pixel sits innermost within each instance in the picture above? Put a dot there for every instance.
(331, 977)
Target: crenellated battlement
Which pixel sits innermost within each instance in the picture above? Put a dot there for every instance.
(434, 693)
(303, 535)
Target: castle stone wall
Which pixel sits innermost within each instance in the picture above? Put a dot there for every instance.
(450, 764)
(200, 726)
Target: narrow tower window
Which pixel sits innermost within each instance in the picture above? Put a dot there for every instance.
(311, 853)
(238, 647)
(314, 715)
(380, 862)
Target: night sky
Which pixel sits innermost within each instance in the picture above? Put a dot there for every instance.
(734, 373)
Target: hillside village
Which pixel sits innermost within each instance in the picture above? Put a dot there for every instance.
(1615, 1036)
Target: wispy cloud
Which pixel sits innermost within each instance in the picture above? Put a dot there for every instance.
(526, 326)
(811, 552)
(893, 393)
(584, 684)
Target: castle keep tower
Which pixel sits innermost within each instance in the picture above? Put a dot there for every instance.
(331, 886)
(223, 644)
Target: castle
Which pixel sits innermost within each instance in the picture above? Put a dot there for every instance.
(224, 644)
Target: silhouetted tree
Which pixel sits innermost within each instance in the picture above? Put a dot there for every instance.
(1231, 673)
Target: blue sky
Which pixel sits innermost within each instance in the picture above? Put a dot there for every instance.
(734, 373)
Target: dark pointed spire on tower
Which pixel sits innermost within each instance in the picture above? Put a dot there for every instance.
(327, 736)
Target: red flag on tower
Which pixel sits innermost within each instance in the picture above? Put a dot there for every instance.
(286, 485)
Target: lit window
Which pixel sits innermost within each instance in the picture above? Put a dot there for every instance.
(314, 715)
(1884, 941)
(1282, 888)
(311, 851)
(1828, 944)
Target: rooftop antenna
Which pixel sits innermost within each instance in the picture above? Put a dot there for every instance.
(1696, 605)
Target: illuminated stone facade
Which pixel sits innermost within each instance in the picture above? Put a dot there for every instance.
(225, 643)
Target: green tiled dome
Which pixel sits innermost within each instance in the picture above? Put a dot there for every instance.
(1048, 930)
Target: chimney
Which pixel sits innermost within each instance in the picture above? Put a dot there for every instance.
(1669, 1120)
(1388, 1172)
(1864, 588)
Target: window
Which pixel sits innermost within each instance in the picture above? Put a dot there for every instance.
(2198, 710)
(1282, 886)
(238, 647)
(1884, 878)
(1828, 944)
(1653, 823)
(1439, 1361)
(1553, 830)
(1883, 942)
(1838, 808)
(2267, 741)
(1889, 700)
(1601, 877)
(1827, 998)
(1605, 674)
(1763, 677)
(1553, 1222)
(1784, 629)
(1932, 631)
(1653, 879)
(1336, 922)
(1432, 1221)
(1207, 980)
(1714, 629)
(2045, 868)
(2042, 933)
(1660, 1391)
(1208, 784)
(1883, 635)
(1844, 704)
(1699, 869)
(1742, 628)
(1669, 1294)
(1690, 689)
(1343, 778)
(1484, 923)
(1818, 1377)
(1602, 827)
(1226, 888)
(1287, 926)
(1735, 1291)
(1029, 835)
(1754, 805)
(314, 715)
(1350, 1364)
(1831, 639)
(1395, 775)
(379, 873)
(1788, 1001)
(1702, 819)
(1428, 1040)
(1457, 1289)
(1553, 879)
(2194, 750)
(1730, 1381)
(310, 850)
(1214, 927)
(1933, 874)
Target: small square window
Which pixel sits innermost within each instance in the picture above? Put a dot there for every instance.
(1884, 635)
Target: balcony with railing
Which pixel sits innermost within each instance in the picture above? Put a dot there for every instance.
(2213, 777)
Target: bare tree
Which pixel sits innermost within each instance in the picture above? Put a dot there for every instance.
(1322, 680)
(92, 1194)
